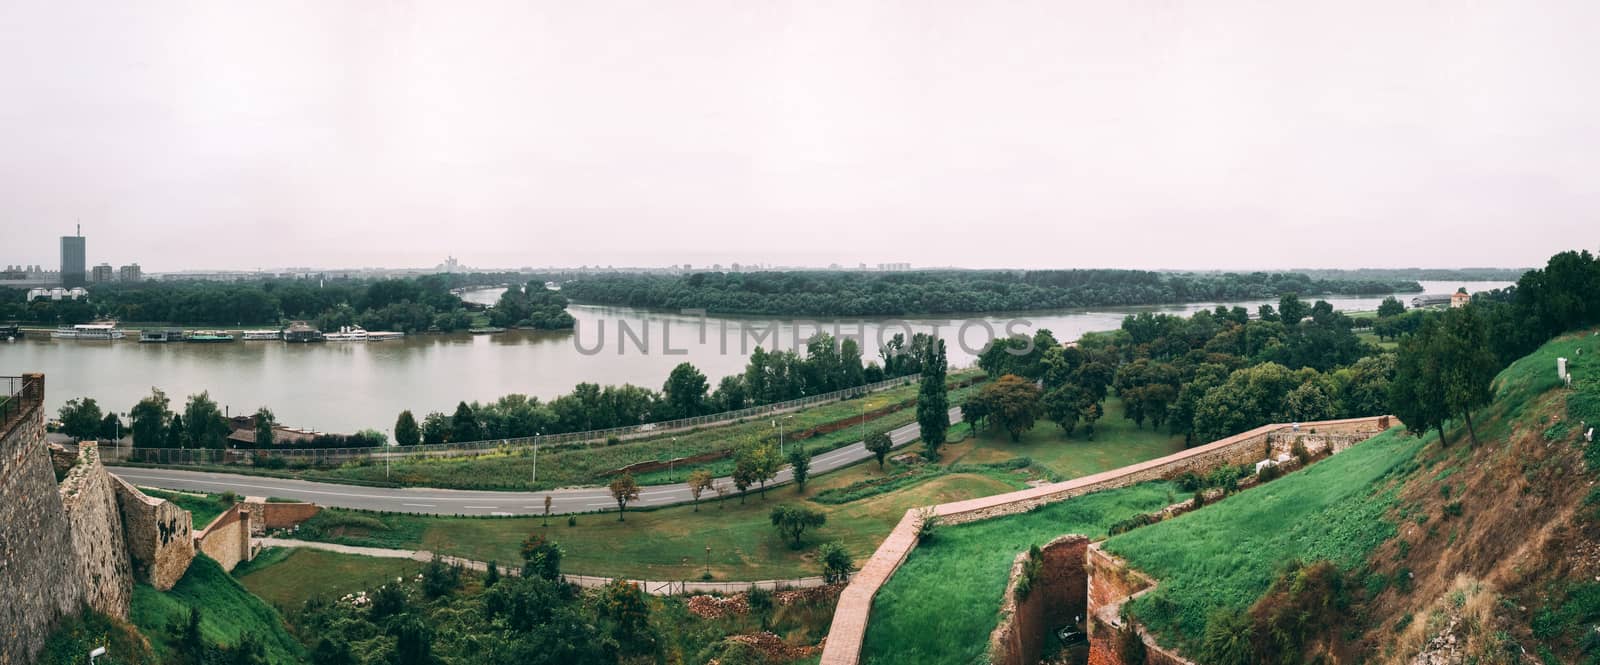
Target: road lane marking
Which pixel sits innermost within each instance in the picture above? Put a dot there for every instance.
(418, 505)
(481, 507)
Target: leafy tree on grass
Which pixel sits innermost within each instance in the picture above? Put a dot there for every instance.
(1444, 370)
(1469, 364)
(150, 420)
(541, 558)
(80, 418)
(879, 444)
(800, 466)
(491, 575)
(623, 489)
(760, 601)
(793, 521)
(1014, 404)
(836, 562)
(1391, 306)
(933, 404)
(699, 481)
(264, 423)
(111, 427)
(406, 430)
(440, 578)
(744, 473)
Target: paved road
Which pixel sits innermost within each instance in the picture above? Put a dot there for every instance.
(470, 502)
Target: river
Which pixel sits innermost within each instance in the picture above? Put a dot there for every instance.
(345, 386)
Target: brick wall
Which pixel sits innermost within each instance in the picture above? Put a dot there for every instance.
(1111, 585)
(849, 627)
(1056, 598)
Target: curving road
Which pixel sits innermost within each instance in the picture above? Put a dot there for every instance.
(471, 502)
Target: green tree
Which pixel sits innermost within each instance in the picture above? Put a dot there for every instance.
(767, 464)
(1468, 364)
(1065, 406)
(879, 444)
(204, 425)
(836, 562)
(541, 558)
(800, 466)
(464, 425)
(700, 480)
(1291, 309)
(623, 489)
(413, 641)
(80, 418)
(793, 521)
(491, 574)
(1391, 306)
(176, 433)
(150, 420)
(111, 427)
(744, 470)
(406, 431)
(264, 424)
(760, 601)
(1014, 404)
(933, 404)
(440, 578)
(435, 428)
(685, 392)
(623, 606)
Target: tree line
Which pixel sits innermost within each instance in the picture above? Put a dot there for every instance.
(836, 293)
(828, 365)
(404, 304)
(1205, 376)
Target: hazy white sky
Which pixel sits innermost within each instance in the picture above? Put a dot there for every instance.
(1035, 134)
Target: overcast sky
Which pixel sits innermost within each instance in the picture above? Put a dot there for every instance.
(1032, 134)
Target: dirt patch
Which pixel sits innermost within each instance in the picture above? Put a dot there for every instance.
(773, 649)
(717, 607)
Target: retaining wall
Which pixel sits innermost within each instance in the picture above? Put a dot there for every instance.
(849, 627)
(227, 538)
(1056, 598)
(1111, 585)
(267, 515)
(159, 535)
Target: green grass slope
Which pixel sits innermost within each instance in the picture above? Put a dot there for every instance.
(1226, 554)
(943, 602)
(228, 611)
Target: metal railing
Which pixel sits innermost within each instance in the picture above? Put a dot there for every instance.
(14, 400)
(596, 437)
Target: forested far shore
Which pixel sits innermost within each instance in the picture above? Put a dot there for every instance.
(838, 293)
(403, 304)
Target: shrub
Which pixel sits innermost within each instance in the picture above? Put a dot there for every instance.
(440, 578)
(572, 520)
(1030, 573)
(1452, 509)
(1298, 450)
(927, 524)
(836, 562)
(1269, 473)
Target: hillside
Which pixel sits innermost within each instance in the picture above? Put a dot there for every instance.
(1459, 553)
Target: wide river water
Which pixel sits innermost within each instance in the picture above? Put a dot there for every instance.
(345, 386)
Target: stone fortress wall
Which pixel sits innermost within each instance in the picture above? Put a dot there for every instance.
(227, 538)
(849, 628)
(75, 543)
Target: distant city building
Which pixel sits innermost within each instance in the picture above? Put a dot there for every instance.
(101, 274)
(130, 273)
(894, 267)
(73, 265)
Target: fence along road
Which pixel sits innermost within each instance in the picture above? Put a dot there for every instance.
(469, 502)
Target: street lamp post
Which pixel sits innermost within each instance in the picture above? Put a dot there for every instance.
(536, 437)
(672, 464)
(708, 562)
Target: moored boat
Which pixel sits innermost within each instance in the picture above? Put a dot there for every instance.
(380, 336)
(161, 335)
(88, 331)
(208, 336)
(347, 334)
(300, 332)
(257, 335)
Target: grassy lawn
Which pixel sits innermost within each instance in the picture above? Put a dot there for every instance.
(203, 507)
(1227, 554)
(1117, 443)
(288, 577)
(590, 465)
(228, 611)
(941, 605)
(670, 543)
